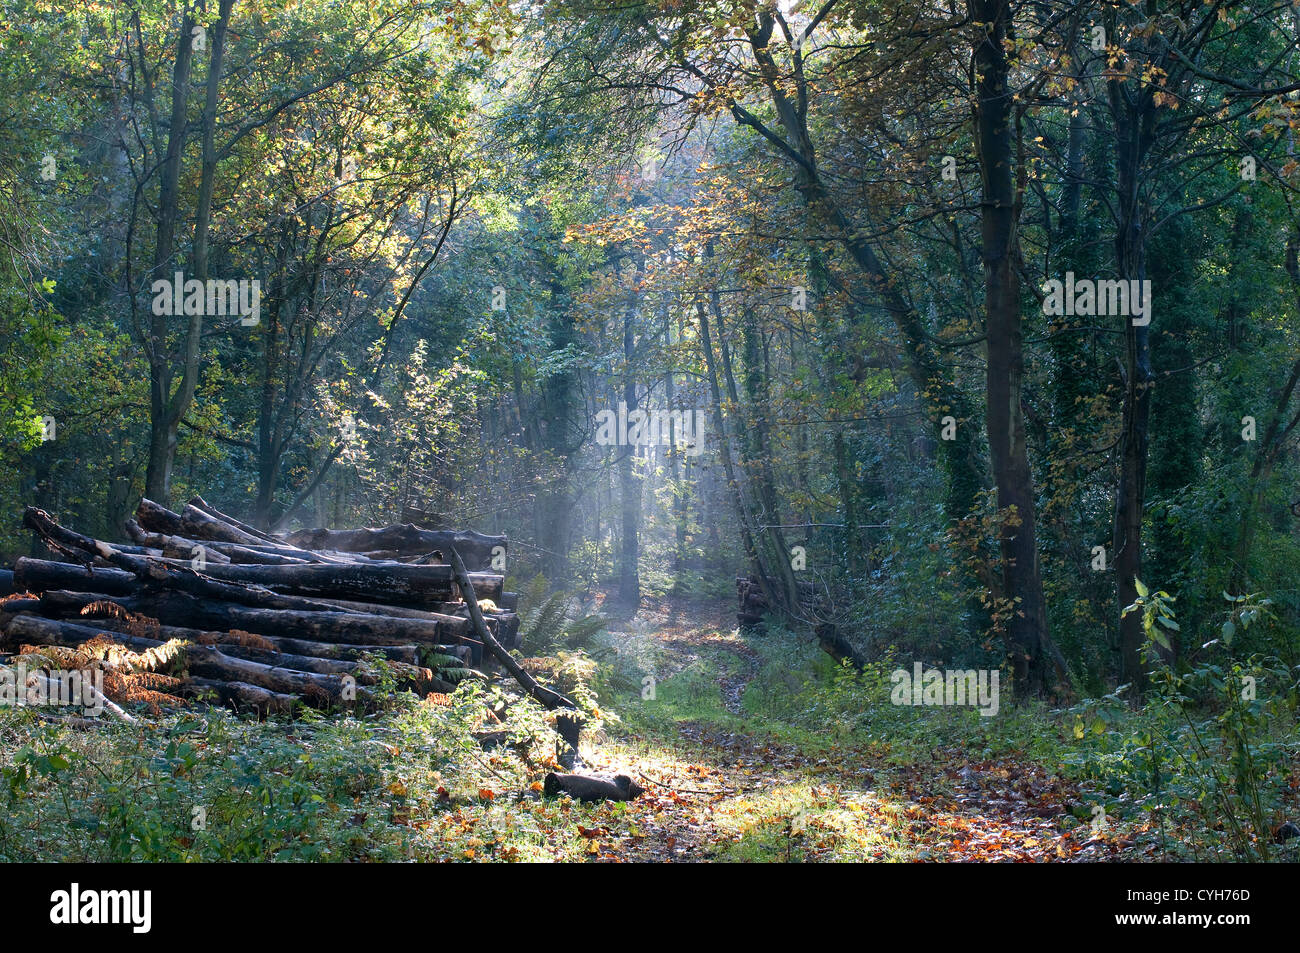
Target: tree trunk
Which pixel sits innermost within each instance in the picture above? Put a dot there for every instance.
(1027, 634)
(629, 581)
(162, 429)
(1133, 125)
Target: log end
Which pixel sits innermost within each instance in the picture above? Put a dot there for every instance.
(591, 788)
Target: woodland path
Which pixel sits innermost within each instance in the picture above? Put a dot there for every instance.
(721, 785)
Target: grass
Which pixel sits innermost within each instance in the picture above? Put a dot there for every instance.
(750, 749)
(1171, 777)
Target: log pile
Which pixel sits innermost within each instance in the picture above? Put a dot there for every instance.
(201, 605)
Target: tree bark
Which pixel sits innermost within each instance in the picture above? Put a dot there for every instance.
(326, 651)
(629, 483)
(1029, 642)
(181, 609)
(475, 548)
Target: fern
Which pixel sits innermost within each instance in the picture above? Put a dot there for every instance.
(436, 660)
(550, 623)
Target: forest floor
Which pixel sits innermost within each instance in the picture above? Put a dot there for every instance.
(728, 778)
(750, 747)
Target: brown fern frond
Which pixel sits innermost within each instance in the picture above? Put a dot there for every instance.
(155, 680)
(143, 627)
(251, 640)
(141, 688)
(46, 653)
(164, 654)
(105, 608)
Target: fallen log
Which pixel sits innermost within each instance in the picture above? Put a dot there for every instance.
(295, 555)
(37, 630)
(12, 607)
(157, 519)
(177, 547)
(548, 697)
(583, 787)
(233, 661)
(402, 612)
(508, 630)
(376, 584)
(199, 525)
(38, 575)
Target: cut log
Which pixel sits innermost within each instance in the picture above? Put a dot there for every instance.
(408, 654)
(177, 608)
(205, 661)
(36, 630)
(404, 612)
(148, 575)
(583, 787)
(175, 546)
(475, 548)
(508, 633)
(201, 504)
(240, 696)
(392, 583)
(418, 678)
(12, 607)
(38, 575)
(294, 555)
(157, 519)
(380, 583)
(199, 525)
(179, 547)
(408, 670)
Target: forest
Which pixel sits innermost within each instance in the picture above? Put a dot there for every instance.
(650, 430)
